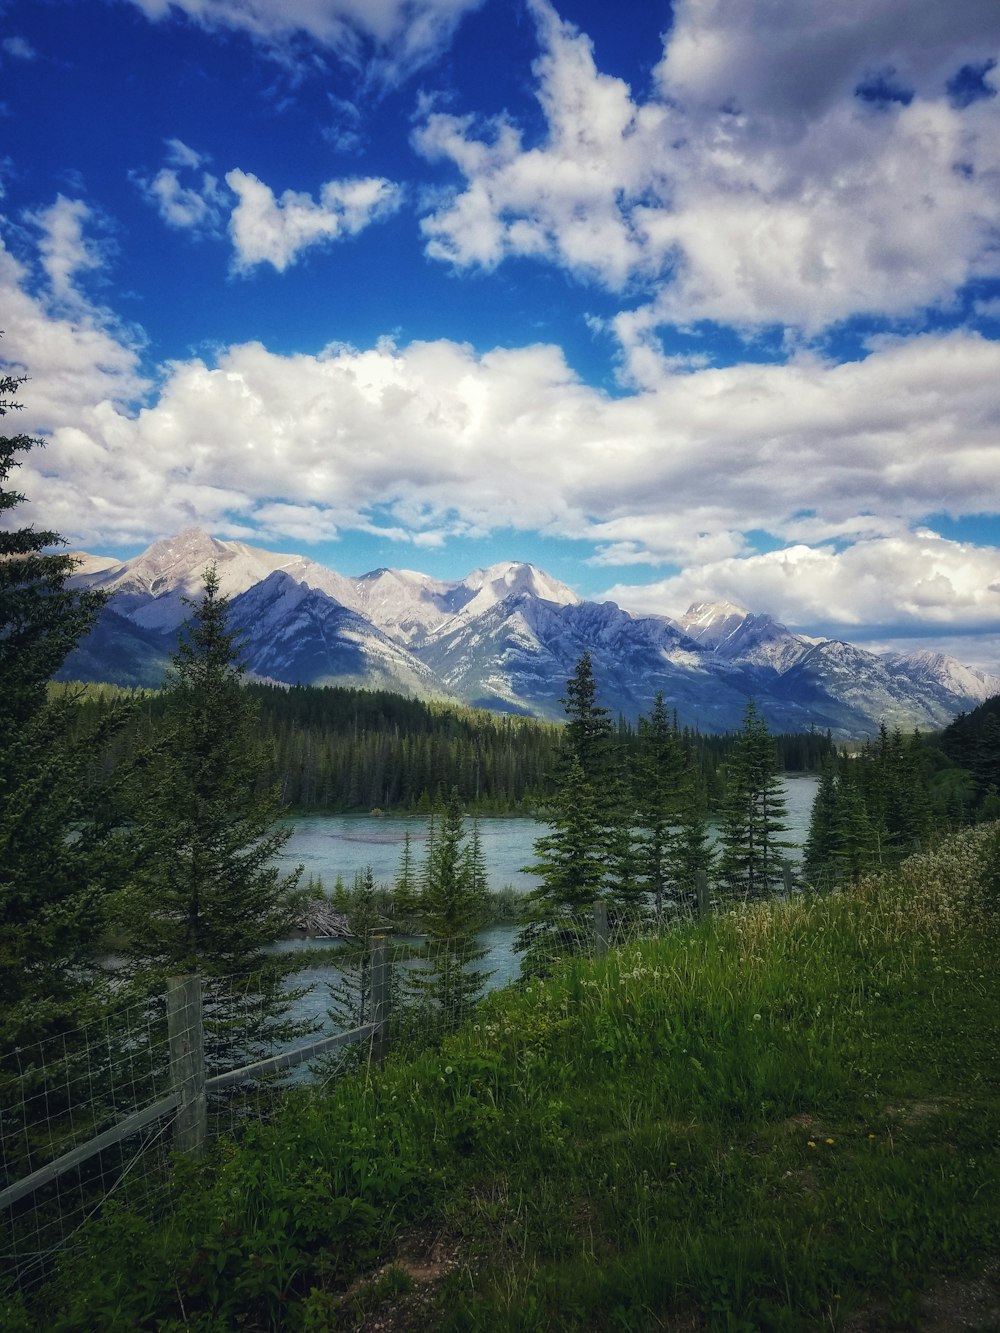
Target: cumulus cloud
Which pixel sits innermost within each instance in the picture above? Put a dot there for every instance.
(439, 439)
(19, 48)
(267, 230)
(64, 249)
(391, 38)
(195, 207)
(434, 439)
(922, 580)
(753, 185)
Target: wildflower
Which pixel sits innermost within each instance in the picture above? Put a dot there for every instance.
(828, 1140)
(756, 1018)
(811, 1143)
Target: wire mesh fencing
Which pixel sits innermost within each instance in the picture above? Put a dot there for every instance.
(85, 1115)
(96, 1113)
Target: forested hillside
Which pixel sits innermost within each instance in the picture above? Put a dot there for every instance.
(340, 749)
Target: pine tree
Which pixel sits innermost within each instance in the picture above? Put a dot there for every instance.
(571, 864)
(693, 850)
(658, 789)
(588, 727)
(406, 895)
(205, 894)
(820, 848)
(52, 814)
(452, 915)
(753, 814)
(572, 858)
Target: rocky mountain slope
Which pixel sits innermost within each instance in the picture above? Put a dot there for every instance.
(506, 637)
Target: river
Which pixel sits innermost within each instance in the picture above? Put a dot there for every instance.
(330, 845)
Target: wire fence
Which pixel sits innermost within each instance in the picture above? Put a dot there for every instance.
(96, 1112)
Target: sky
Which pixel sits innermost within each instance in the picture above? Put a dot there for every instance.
(679, 302)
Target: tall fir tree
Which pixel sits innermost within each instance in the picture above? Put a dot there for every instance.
(693, 851)
(53, 816)
(572, 858)
(453, 911)
(753, 814)
(406, 890)
(819, 852)
(659, 774)
(206, 893)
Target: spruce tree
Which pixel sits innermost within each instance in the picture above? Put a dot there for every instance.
(856, 840)
(205, 893)
(658, 791)
(453, 912)
(693, 852)
(52, 823)
(406, 895)
(753, 814)
(820, 848)
(572, 858)
(571, 865)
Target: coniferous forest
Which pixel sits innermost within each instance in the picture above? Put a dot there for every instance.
(344, 750)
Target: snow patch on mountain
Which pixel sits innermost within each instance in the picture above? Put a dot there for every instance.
(949, 673)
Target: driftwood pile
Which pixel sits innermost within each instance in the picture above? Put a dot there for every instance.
(320, 920)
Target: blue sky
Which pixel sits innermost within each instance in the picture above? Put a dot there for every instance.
(678, 302)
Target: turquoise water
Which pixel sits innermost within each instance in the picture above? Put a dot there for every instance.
(328, 845)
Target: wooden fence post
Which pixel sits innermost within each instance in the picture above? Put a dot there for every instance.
(701, 894)
(187, 1063)
(600, 927)
(380, 997)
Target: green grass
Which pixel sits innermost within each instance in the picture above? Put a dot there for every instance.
(786, 1118)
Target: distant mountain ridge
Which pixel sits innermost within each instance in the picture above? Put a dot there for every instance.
(506, 637)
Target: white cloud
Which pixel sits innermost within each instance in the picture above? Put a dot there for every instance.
(393, 38)
(19, 48)
(80, 374)
(794, 61)
(444, 438)
(198, 207)
(921, 581)
(64, 250)
(275, 231)
(752, 186)
(841, 463)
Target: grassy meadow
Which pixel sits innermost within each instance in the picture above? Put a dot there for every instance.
(787, 1117)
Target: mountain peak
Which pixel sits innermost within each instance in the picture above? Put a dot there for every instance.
(498, 581)
(706, 613)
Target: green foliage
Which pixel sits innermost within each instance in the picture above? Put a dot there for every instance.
(877, 805)
(452, 910)
(750, 863)
(785, 1117)
(673, 843)
(54, 812)
(204, 893)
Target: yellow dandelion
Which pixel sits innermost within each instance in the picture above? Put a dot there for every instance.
(811, 1143)
(828, 1140)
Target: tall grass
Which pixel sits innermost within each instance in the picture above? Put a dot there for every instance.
(786, 1117)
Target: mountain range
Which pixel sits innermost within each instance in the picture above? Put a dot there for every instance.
(505, 638)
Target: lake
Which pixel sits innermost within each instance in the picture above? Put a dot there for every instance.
(330, 845)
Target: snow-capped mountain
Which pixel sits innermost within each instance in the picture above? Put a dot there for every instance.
(153, 589)
(507, 637)
(297, 633)
(940, 669)
(733, 633)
